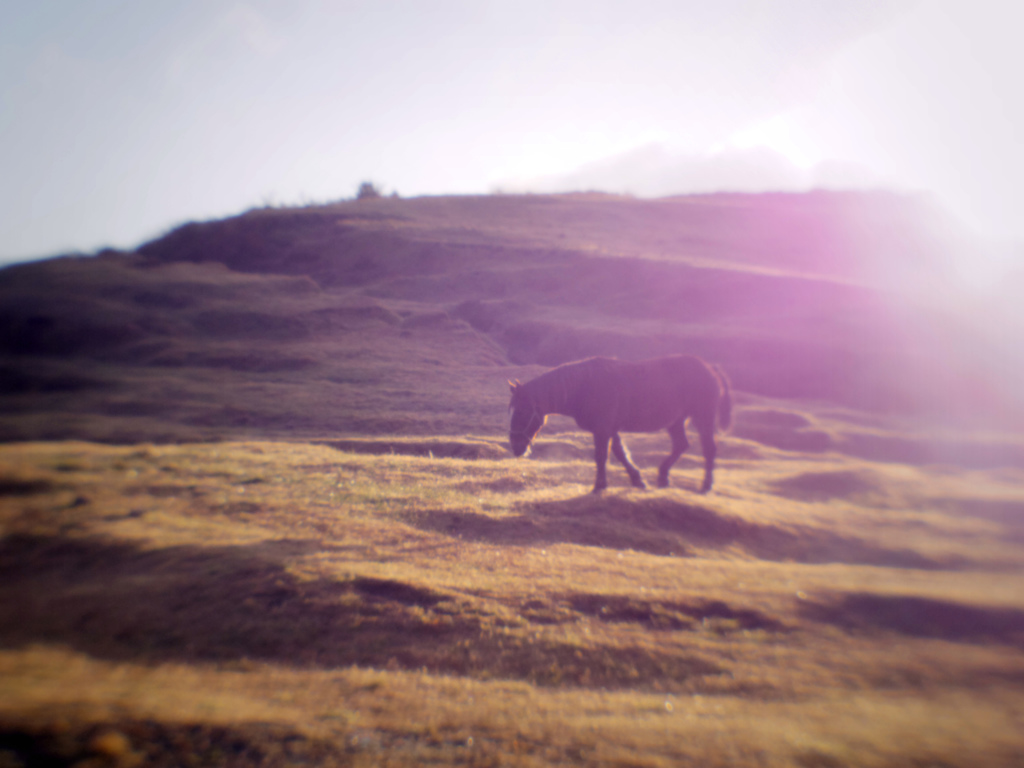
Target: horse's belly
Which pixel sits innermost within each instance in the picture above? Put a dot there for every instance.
(630, 404)
(649, 415)
(649, 423)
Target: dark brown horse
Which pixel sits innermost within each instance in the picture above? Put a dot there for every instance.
(608, 396)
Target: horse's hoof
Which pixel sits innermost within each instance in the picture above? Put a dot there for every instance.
(663, 483)
(638, 483)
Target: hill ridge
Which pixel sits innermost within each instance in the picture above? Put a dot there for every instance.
(408, 315)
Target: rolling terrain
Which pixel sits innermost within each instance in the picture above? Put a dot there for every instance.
(402, 316)
(257, 506)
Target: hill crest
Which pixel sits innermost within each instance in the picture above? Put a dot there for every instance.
(406, 316)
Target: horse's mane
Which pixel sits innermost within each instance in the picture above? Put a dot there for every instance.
(553, 390)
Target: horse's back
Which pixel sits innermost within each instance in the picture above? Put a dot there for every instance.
(678, 365)
(642, 396)
(670, 373)
(683, 381)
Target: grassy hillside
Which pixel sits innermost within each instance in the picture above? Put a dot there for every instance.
(407, 316)
(286, 603)
(257, 509)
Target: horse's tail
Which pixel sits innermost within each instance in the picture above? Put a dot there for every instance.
(725, 401)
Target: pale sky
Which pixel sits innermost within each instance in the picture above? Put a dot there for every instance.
(120, 120)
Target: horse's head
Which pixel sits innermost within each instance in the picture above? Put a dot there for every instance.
(526, 419)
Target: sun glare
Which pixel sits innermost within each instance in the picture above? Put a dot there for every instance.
(780, 134)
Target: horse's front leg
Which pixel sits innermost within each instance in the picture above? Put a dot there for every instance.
(601, 459)
(622, 454)
(679, 445)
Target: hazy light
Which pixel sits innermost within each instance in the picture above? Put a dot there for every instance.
(119, 121)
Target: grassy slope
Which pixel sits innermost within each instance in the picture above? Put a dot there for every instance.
(365, 577)
(395, 316)
(293, 599)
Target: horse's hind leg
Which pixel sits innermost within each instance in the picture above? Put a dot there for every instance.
(622, 454)
(706, 428)
(601, 459)
(679, 445)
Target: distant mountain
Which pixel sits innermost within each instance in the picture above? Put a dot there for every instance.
(406, 316)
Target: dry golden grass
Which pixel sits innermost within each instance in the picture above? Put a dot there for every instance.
(292, 603)
(310, 546)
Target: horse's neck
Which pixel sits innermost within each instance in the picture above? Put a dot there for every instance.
(557, 393)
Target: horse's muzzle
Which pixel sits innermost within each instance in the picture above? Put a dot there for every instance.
(519, 447)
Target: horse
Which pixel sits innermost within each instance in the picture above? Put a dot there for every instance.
(607, 396)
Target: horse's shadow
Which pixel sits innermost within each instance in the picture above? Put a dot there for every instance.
(662, 525)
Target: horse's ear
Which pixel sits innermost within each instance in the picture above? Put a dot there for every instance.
(512, 385)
